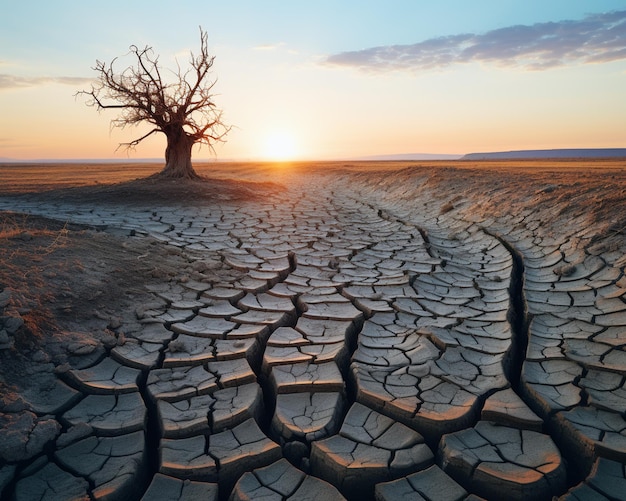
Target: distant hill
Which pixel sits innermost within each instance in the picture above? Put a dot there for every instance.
(539, 154)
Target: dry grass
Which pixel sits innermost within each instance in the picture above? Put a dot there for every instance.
(23, 268)
(27, 177)
(18, 228)
(18, 178)
(134, 184)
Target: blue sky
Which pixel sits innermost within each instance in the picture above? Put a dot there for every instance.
(330, 79)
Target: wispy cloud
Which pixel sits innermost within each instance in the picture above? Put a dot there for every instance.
(269, 46)
(16, 82)
(597, 38)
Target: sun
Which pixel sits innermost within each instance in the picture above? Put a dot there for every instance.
(280, 146)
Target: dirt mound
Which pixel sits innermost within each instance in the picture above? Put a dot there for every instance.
(158, 191)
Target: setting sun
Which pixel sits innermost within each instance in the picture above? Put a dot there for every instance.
(280, 145)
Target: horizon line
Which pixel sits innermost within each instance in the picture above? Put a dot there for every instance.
(538, 153)
(391, 157)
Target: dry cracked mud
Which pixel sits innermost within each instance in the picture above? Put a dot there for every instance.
(353, 332)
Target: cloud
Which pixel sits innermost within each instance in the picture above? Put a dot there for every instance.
(269, 46)
(597, 38)
(16, 82)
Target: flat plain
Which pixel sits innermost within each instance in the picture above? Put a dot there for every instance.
(392, 330)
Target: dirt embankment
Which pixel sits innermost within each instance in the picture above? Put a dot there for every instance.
(64, 288)
(591, 194)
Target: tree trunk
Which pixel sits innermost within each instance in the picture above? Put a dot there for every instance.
(178, 156)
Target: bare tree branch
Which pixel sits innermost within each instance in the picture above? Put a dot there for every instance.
(135, 142)
(183, 110)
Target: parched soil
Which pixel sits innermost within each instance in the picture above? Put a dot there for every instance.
(69, 284)
(74, 288)
(68, 280)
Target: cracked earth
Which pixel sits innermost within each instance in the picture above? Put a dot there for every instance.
(410, 333)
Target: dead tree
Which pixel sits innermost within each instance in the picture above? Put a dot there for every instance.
(181, 108)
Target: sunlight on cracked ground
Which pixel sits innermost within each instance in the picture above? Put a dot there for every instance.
(353, 335)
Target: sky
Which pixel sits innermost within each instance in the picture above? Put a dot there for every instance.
(327, 79)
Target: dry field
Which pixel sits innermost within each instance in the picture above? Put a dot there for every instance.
(533, 251)
(592, 187)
